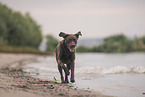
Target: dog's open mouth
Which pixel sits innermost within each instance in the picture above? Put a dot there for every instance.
(71, 49)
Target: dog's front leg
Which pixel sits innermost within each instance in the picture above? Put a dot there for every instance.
(72, 72)
(66, 74)
(61, 73)
(60, 67)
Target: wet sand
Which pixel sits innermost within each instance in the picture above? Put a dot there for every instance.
(14, 82)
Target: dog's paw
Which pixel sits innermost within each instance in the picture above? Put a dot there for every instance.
(62, 81)
(72, 80)
(67, 81)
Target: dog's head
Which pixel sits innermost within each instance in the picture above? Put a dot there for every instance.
(70, 40)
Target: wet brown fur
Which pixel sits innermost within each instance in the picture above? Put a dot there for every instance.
(64, 57)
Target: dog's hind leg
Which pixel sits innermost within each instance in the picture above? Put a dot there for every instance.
(66, 78)
(65, 69)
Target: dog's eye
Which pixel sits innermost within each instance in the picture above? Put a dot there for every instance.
(75, 40)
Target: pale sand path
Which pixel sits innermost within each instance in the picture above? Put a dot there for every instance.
(8, 59)
(15, 83)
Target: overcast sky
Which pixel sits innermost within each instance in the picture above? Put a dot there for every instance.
(95, 18)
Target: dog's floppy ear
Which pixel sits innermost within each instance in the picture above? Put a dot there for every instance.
(62, 34)
(77, 34)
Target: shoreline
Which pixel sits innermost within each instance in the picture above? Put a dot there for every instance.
(17, 83)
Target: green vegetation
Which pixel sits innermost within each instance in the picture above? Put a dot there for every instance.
(15, 49)
(51, 43)
(83, 49)
(117, 44)
(17, 29)
(21, 34)
(18, 33)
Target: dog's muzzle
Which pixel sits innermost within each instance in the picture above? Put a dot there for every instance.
(72, 48)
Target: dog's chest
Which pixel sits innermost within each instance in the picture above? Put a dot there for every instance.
(67, 57)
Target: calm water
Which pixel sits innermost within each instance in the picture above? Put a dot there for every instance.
(121, 75)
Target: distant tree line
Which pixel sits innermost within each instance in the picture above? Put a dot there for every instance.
(17, 29)
(117, 44)
(112, 44)
(51, 43)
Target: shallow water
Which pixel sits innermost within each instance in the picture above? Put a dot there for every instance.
(121, 75)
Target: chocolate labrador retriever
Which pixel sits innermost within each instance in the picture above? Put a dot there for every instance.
(65, 55)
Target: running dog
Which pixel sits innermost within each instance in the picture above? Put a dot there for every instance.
(65, 55)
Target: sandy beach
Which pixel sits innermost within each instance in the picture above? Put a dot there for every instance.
(15, 82)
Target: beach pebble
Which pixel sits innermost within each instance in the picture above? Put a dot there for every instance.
(50, 87)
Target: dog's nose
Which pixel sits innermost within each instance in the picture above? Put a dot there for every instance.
(73, 44)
